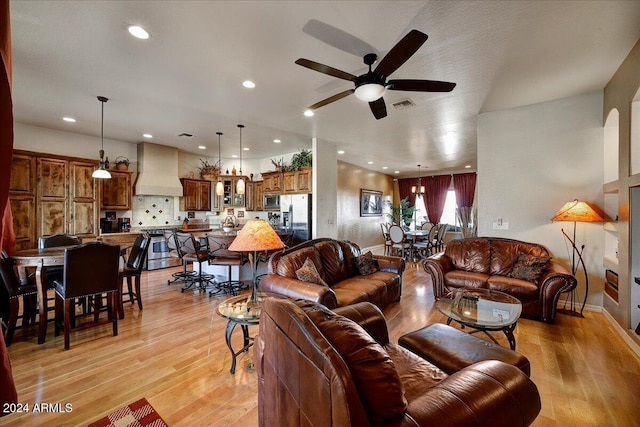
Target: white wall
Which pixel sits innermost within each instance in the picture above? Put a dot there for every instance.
(533, 159)
(325, 183)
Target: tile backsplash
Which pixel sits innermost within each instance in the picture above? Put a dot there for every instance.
(150, 211)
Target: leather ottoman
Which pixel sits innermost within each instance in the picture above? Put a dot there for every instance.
(452, 350)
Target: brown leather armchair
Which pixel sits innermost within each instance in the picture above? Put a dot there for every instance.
(319, 368)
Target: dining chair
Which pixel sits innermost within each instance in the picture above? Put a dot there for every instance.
(90, 269)
(11, 292)
(53, 273)
(384, 226)
(426, 226)
(219, 254)
(193, 252)
(399, 243)
(172, 244)
(133, 270)
(442, 232)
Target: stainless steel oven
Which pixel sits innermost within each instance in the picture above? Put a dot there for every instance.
(159, 255)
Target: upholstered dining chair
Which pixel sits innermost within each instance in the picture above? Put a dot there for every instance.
(54, 273)
(442, 232)
(384, 226)
(11, 292)
(399, 244)
(91, 269)
(133, 270)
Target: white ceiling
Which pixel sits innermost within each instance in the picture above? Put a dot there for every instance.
(187, 77)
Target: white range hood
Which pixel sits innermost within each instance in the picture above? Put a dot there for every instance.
(157, 171)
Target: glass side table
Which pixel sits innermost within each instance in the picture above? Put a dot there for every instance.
(483, 310)
(240, 310)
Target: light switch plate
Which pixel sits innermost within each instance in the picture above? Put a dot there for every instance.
(503, 226)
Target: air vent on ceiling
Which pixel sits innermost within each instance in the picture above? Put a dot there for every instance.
(185, 135)
(403, 104)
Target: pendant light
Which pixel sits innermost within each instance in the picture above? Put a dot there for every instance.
(219, 185)
(418, 190)
(102, 172)
(240, 183)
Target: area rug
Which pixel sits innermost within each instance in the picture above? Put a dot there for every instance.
(136, 414)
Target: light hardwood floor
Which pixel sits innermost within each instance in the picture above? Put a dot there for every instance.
(173, 354)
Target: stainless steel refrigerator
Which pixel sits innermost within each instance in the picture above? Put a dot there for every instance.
(295, 211)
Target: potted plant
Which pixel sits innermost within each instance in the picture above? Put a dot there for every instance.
(209, 171)
(122, 163)
(402, 214)
(301, 160)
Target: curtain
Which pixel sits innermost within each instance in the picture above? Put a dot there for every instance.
(464, 184)
(7, 238)
(404, 188)
(436, 188)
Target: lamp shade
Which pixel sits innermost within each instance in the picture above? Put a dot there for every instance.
(577, 211)
(101, 173)
(256, 235)
(369, 92)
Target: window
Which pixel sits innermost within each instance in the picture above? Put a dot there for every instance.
(448, 214)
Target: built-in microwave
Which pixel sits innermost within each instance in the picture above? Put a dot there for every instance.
(271, 202)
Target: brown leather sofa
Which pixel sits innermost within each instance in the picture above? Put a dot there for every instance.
(488, 262)
(319, 368)
(335, 261)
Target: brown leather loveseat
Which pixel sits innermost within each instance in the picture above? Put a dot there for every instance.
(341, 281)
(523, 270)
(318, 368)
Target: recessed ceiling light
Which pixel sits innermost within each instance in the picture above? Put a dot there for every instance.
(369, 163)
(308, 113)
(246, 149)
(340, 151)
(147, 135)
(450, 133)
(248, 84)
(69, 119)
(277, 141)
(385, 167)
(467, 166)
(235, 156)
(138, 32)
(396, 171)
(202, 147)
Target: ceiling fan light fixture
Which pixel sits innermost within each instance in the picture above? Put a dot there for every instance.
(369, 92)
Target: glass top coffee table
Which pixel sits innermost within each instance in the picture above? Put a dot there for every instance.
(483, 310)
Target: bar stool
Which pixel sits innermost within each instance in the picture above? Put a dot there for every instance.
(133, 269)
(192, 252)
(172, 244)
(219, 254)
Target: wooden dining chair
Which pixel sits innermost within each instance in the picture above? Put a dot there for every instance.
(384, 226)
(133, 270)
(91, 269)
(11, 292)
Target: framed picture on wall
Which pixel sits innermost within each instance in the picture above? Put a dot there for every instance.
(370, 203)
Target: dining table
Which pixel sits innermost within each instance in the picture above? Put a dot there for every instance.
(39, 258)
(42, 258)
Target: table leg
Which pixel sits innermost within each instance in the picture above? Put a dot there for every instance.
(42, 304)
(508, 331)
(227, 336)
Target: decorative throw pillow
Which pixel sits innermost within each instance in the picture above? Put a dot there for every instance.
(366, 264)
(372, 369)
(529, 267)
(309, 273)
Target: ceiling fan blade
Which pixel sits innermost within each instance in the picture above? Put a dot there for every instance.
(420, 85)
(337, 38)
(325, 69)
(331, 99)
(378, 108)
(401, 52)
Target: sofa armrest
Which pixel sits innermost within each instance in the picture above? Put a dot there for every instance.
(436, 266)
(369, 317)
(391, 264)
(489, 393)
(298, 289)
(554, 281)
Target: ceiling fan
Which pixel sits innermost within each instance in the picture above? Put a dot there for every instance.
(371, 86)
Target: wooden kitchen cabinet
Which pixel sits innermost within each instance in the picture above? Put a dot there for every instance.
(272, 182)
(304, 180)
(230, 197)
(52, 194)
(196, 195)
(297, 182)
(254, 196)
(115, 193)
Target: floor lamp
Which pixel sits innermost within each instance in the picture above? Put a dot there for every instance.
(255, 236)
(577, 211)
